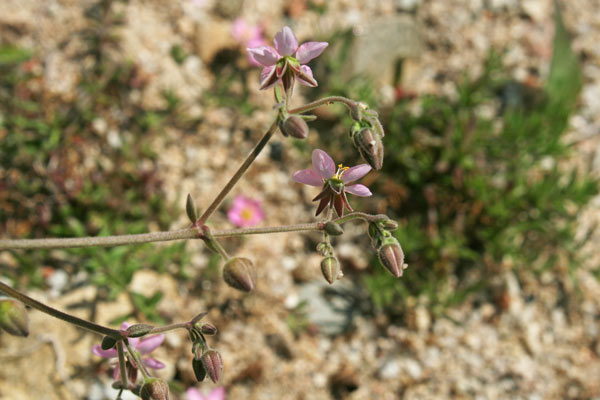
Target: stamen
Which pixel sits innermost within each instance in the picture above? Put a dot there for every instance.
(340, 171)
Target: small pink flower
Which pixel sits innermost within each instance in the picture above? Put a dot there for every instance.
(323, 173)
(248, 35)
(215, 394)
(141, 346)
(287, 60)
(245, 212)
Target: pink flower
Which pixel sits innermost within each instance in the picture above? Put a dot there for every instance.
(323, 173)
(215, 394)
(287, 60)
(248, 36)
(141, 346)
(245, 212)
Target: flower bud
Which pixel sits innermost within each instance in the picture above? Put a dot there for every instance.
(333, 229)
(391, 257)
(370, 147)
(138, 330)
(199, 370)
(13, 317)
(190, 209)
(208, 329)
(356, 110)
(294, 126)
(330, 269)
(213, 364)
(108, 342)
(390, 225)
(239, 273)
(154, 389)
(324, 248)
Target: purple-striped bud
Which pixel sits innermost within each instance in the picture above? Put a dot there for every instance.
(213, 364)
(154, 389)
(294, 126)
(391, 257)
(13, 317)
(370, 147)
(239, 273)
(208, 329)
(330, 267)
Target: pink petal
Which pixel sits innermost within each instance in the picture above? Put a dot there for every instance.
(265, 55)
(308, 177)
(217, 394)
(305, 76)
(149, 345)
(194, 394)
(355, 173)
(268, 77)
(256, 42)
(358, 190)
(245, 212)
(310, 50)
(323, 163)
(153, 363)
(240, 29)
(285, 42)
(235, 217)
(125, 325)
(97, 350)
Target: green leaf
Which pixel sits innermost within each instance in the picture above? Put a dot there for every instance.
(564, 82)
(13, 55)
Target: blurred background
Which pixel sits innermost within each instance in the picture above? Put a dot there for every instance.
(111, 111)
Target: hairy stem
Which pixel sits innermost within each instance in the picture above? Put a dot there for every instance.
(188, 233)
(171, 327)
(122, 366)
(59, 314)
(238, 174)
(138, 360)
(323, 102)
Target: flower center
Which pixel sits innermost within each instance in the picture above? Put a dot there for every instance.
(247, 214)
(340, 171)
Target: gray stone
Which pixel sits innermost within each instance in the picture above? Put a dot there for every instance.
(328, 306)
(380, 43)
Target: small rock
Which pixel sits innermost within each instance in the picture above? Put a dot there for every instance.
(390, 369)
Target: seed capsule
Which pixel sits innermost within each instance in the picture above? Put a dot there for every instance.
(330, 269)
(239, 273)
(294, 126)
(333, 229)
(154, 389)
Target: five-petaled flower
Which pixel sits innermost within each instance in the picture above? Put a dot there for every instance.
(248, 35)
(215, 394)
(141, 346)
(323, 173)
(287, 60)
(245, 212)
